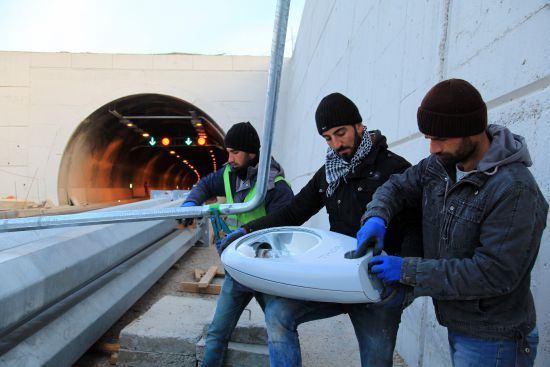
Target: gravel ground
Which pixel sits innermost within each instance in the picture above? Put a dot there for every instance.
(326, 342)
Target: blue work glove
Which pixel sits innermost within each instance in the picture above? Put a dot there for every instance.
(231, 236)
(188, 203)
(188, 221)
(386, 268)
(373, 230)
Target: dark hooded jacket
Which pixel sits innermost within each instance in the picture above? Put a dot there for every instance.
(481, 236)
(278, 193)
(349, 201)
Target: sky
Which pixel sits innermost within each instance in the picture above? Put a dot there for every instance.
(212, 27)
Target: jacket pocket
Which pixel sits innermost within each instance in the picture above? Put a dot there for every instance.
(462, 227)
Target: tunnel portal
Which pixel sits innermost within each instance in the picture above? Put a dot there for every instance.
(136, 144)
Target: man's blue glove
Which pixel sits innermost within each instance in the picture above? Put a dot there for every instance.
(373, 230)
(188, 203)
(386, 268)
(231, 236)
(188, 221)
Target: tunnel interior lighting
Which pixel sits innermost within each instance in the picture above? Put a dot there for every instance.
(129, 124)
(131, 186)
(145, 135)
(172, 152)
(165, 141)
(192, 168)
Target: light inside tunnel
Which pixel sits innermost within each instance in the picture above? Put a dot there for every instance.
(118, 144)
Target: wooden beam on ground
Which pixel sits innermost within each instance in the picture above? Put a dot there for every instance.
(207, 278)
(107, 347)
(193, 287)
(199, 273)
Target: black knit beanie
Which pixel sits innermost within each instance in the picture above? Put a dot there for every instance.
(336, 110)
(452, 108)
(242, 136)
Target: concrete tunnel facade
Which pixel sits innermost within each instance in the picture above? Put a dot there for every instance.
(113, 156)
(60, 141)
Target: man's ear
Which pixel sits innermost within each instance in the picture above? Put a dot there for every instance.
(359, 128)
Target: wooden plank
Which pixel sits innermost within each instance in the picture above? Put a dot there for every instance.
(193, 287)
(207, 278)
(109, 347)
(199, 274)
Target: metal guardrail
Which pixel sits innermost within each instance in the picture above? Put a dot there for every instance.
(273, 84)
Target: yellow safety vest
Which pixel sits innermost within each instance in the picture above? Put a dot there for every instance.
(234, 221)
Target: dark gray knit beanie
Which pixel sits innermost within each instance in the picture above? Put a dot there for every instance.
(242, 136)
(336, 110)
(452, 108)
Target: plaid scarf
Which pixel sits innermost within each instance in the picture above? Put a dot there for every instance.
(336, 167)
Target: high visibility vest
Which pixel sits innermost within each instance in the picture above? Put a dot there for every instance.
(234, 221)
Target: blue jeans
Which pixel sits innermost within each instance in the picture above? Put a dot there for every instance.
(231, 303)
(375, 328)
(467, 351)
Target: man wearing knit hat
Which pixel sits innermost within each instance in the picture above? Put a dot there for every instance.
(237, 182)
(357, 162)
(483, 216)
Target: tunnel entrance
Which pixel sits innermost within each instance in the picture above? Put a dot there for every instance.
(136, 144)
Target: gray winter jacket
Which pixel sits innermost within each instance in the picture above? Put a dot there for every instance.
(481, 237)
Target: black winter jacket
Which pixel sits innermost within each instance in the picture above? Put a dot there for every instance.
(481, 237)
(348, 203)
(278, 193)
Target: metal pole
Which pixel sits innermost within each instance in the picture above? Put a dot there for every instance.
(273, 83)
(274, 79)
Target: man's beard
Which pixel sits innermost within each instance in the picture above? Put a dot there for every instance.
(242, 171)
(356, 142)
(464, 151)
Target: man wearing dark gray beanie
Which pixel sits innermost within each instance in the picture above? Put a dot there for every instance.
(236, 180)
(357, 161)
(483, 216)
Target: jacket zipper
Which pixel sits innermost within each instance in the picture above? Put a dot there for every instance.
(447, 221)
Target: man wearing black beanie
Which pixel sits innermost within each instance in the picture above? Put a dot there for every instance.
(482, 217)
(237, 182)
(356, 163)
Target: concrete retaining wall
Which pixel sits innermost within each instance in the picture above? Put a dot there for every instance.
(385, 55)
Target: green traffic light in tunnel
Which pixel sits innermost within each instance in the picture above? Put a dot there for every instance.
(152, 141)
(188, 141)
